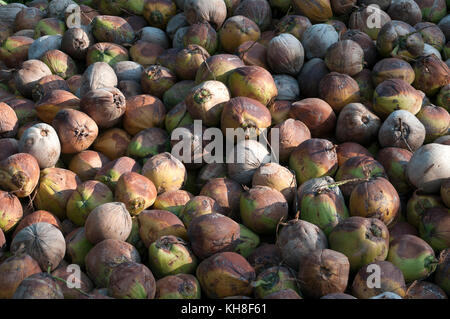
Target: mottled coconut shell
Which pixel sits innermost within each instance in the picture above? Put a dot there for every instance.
(43, 241)
(39, 286)
(96, 76)
(20, 173)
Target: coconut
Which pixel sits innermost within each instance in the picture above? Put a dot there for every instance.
(265, 257)
(131, 280)
(425, 290)
(285, 54)
(375, 198)
(9, 123)
(38, 286)
(107, 255)
(418, 203)
(273, 280)
(317, 39)
(44, 44)
(297, 239)
(246, 157)
(433, 11)
(359, 167)
(258, 11)
(214, 12)
(277, 177)
(76, 42)
(87, 15)
(111, 172)
(218, 67)
(113, 143)
(112, 29)
(338, 90)
(397, 33)
(59, 63)
(76, 130)
(294, 24)
(49, 26)
(436, 121)
(48, 84)
(24, 109)
(158, 13)
(443, 140)
(177, 22)
(177, 41)
(306, 111)
(405, 10)
(170, 255)
(41, 141)
(14, 50)
(173, 201)
(279, 110)
(143, 111)
(366, 88)
(8, 147)
(11, 211)
(9, 12)
(77, 246)
(129, 88)
(97, 75)
(345, 56)
(348, 150)
(209, 172)
(108, 221)
(225, 192)
(433, 228)
(287, 86)
(43, 241)
(443, 97)
(431, 74)
(149, 142)
(362, 19)
(181, 286)
(20, 174)
(444, 26)
(401, 228)
(206, 242)
(206, 101)
(135, 191)
(55, 188)
(39, 216)
(413, 256)
(402, 129)
(106, 52)
(442, 270)
(83, 282)
(156, 80)
(262, 208)
(54, 101)
(431, 34)
(316, 11)
(395, 161)
(105, 106)
(357, 124)
(128, 71)
(392, 68)
(201, 34)
(391, 280)
(396, 94)
(13, 271)
(318, 155)
(321, 204)
(156, 223)
(159, 167)
(371, 235)
(427, 168)
(225, 274)
(197, 206)
(445, 192)
(338, 296)
(87, 163)
(176, 94)
(324, 272)
(57, 8)
(253, 53)
(168, 58)
(244, 113)
(231, 35)
(27, 77)
(248, 80)
(85, 199)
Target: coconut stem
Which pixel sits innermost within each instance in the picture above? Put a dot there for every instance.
(339, 183)
(402, 135)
